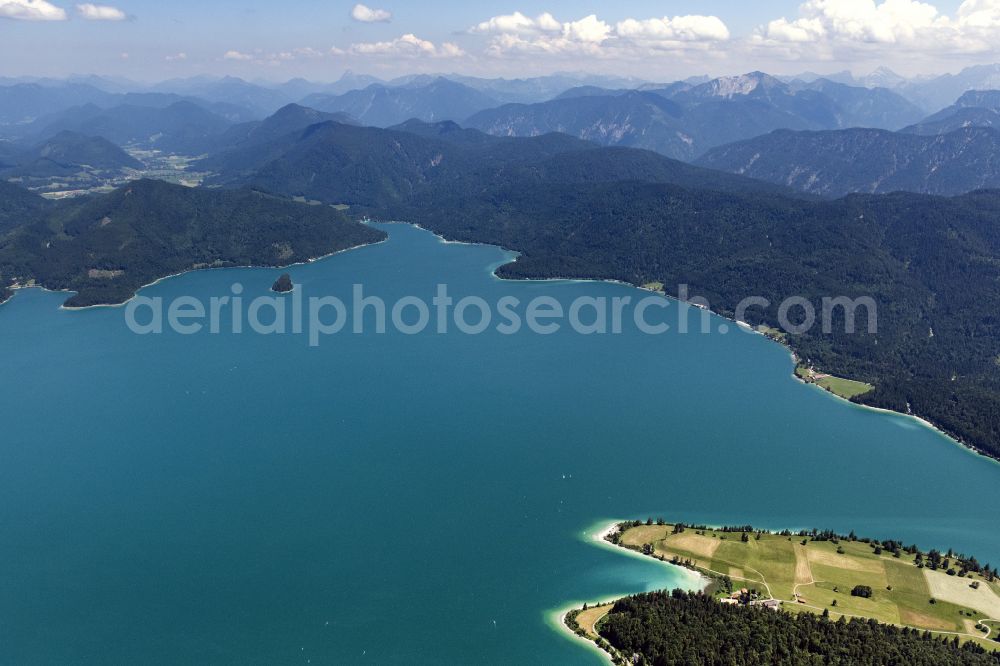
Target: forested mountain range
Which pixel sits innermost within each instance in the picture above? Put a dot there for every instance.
(541, 88)
(368, 167)
(182, 127)
(863, 106)
(976, 108)
(31, 108)
(638, 119)
(382, 106)
(839, 162)
(578, 211)
(285, 120)
(683, 121)
(259, 100)
(66, 153)
(17, 206)
(9, 152)
(938, 92)
(693, 629)
(26, 100)
(26, 108)
(108, 246)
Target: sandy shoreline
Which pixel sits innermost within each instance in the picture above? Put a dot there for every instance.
(558, 618)
(596, 535)
(696, 580)
(611, 528)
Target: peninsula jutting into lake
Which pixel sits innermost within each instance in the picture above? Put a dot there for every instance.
(933, 607)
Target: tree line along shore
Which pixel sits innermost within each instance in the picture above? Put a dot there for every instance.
(802, 596)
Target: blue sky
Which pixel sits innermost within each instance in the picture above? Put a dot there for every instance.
(660, 40)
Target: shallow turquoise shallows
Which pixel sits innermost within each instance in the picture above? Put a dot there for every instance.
(248, 499)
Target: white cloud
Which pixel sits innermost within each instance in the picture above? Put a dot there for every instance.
(512, 33)
(589, 29)
(176, 56)
(450, 50)
(307, 52)
(979, 13)
(519, 23)
(856, 20)
(676, 29)
(369, 15)
(93, 12)
(906, 24)
(261, 57)
(31, 10)
(800, 30)
(295, 54)
(408, 45)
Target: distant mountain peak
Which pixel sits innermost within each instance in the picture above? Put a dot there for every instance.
(294, 110)
(745, 84)
(885, 71)
(67, 148)
(883, 77)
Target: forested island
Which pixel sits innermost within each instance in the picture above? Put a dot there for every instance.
(798, 598)
(283, 284)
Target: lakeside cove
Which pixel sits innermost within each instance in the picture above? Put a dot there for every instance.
(848, 389)
(839, 577)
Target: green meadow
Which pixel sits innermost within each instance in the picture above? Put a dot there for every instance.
(819, 575)
(845, 388)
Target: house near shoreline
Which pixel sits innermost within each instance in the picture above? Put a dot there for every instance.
(743, 596)
(772, 604)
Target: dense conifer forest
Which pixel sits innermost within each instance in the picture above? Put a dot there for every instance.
(106, 247)
(666, 628)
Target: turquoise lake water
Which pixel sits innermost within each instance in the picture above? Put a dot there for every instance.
(248, 499)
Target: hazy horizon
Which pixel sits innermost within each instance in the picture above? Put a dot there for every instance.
(122, 80)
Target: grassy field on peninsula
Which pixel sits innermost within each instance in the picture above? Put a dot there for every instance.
(845, 388)
(810, 575)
